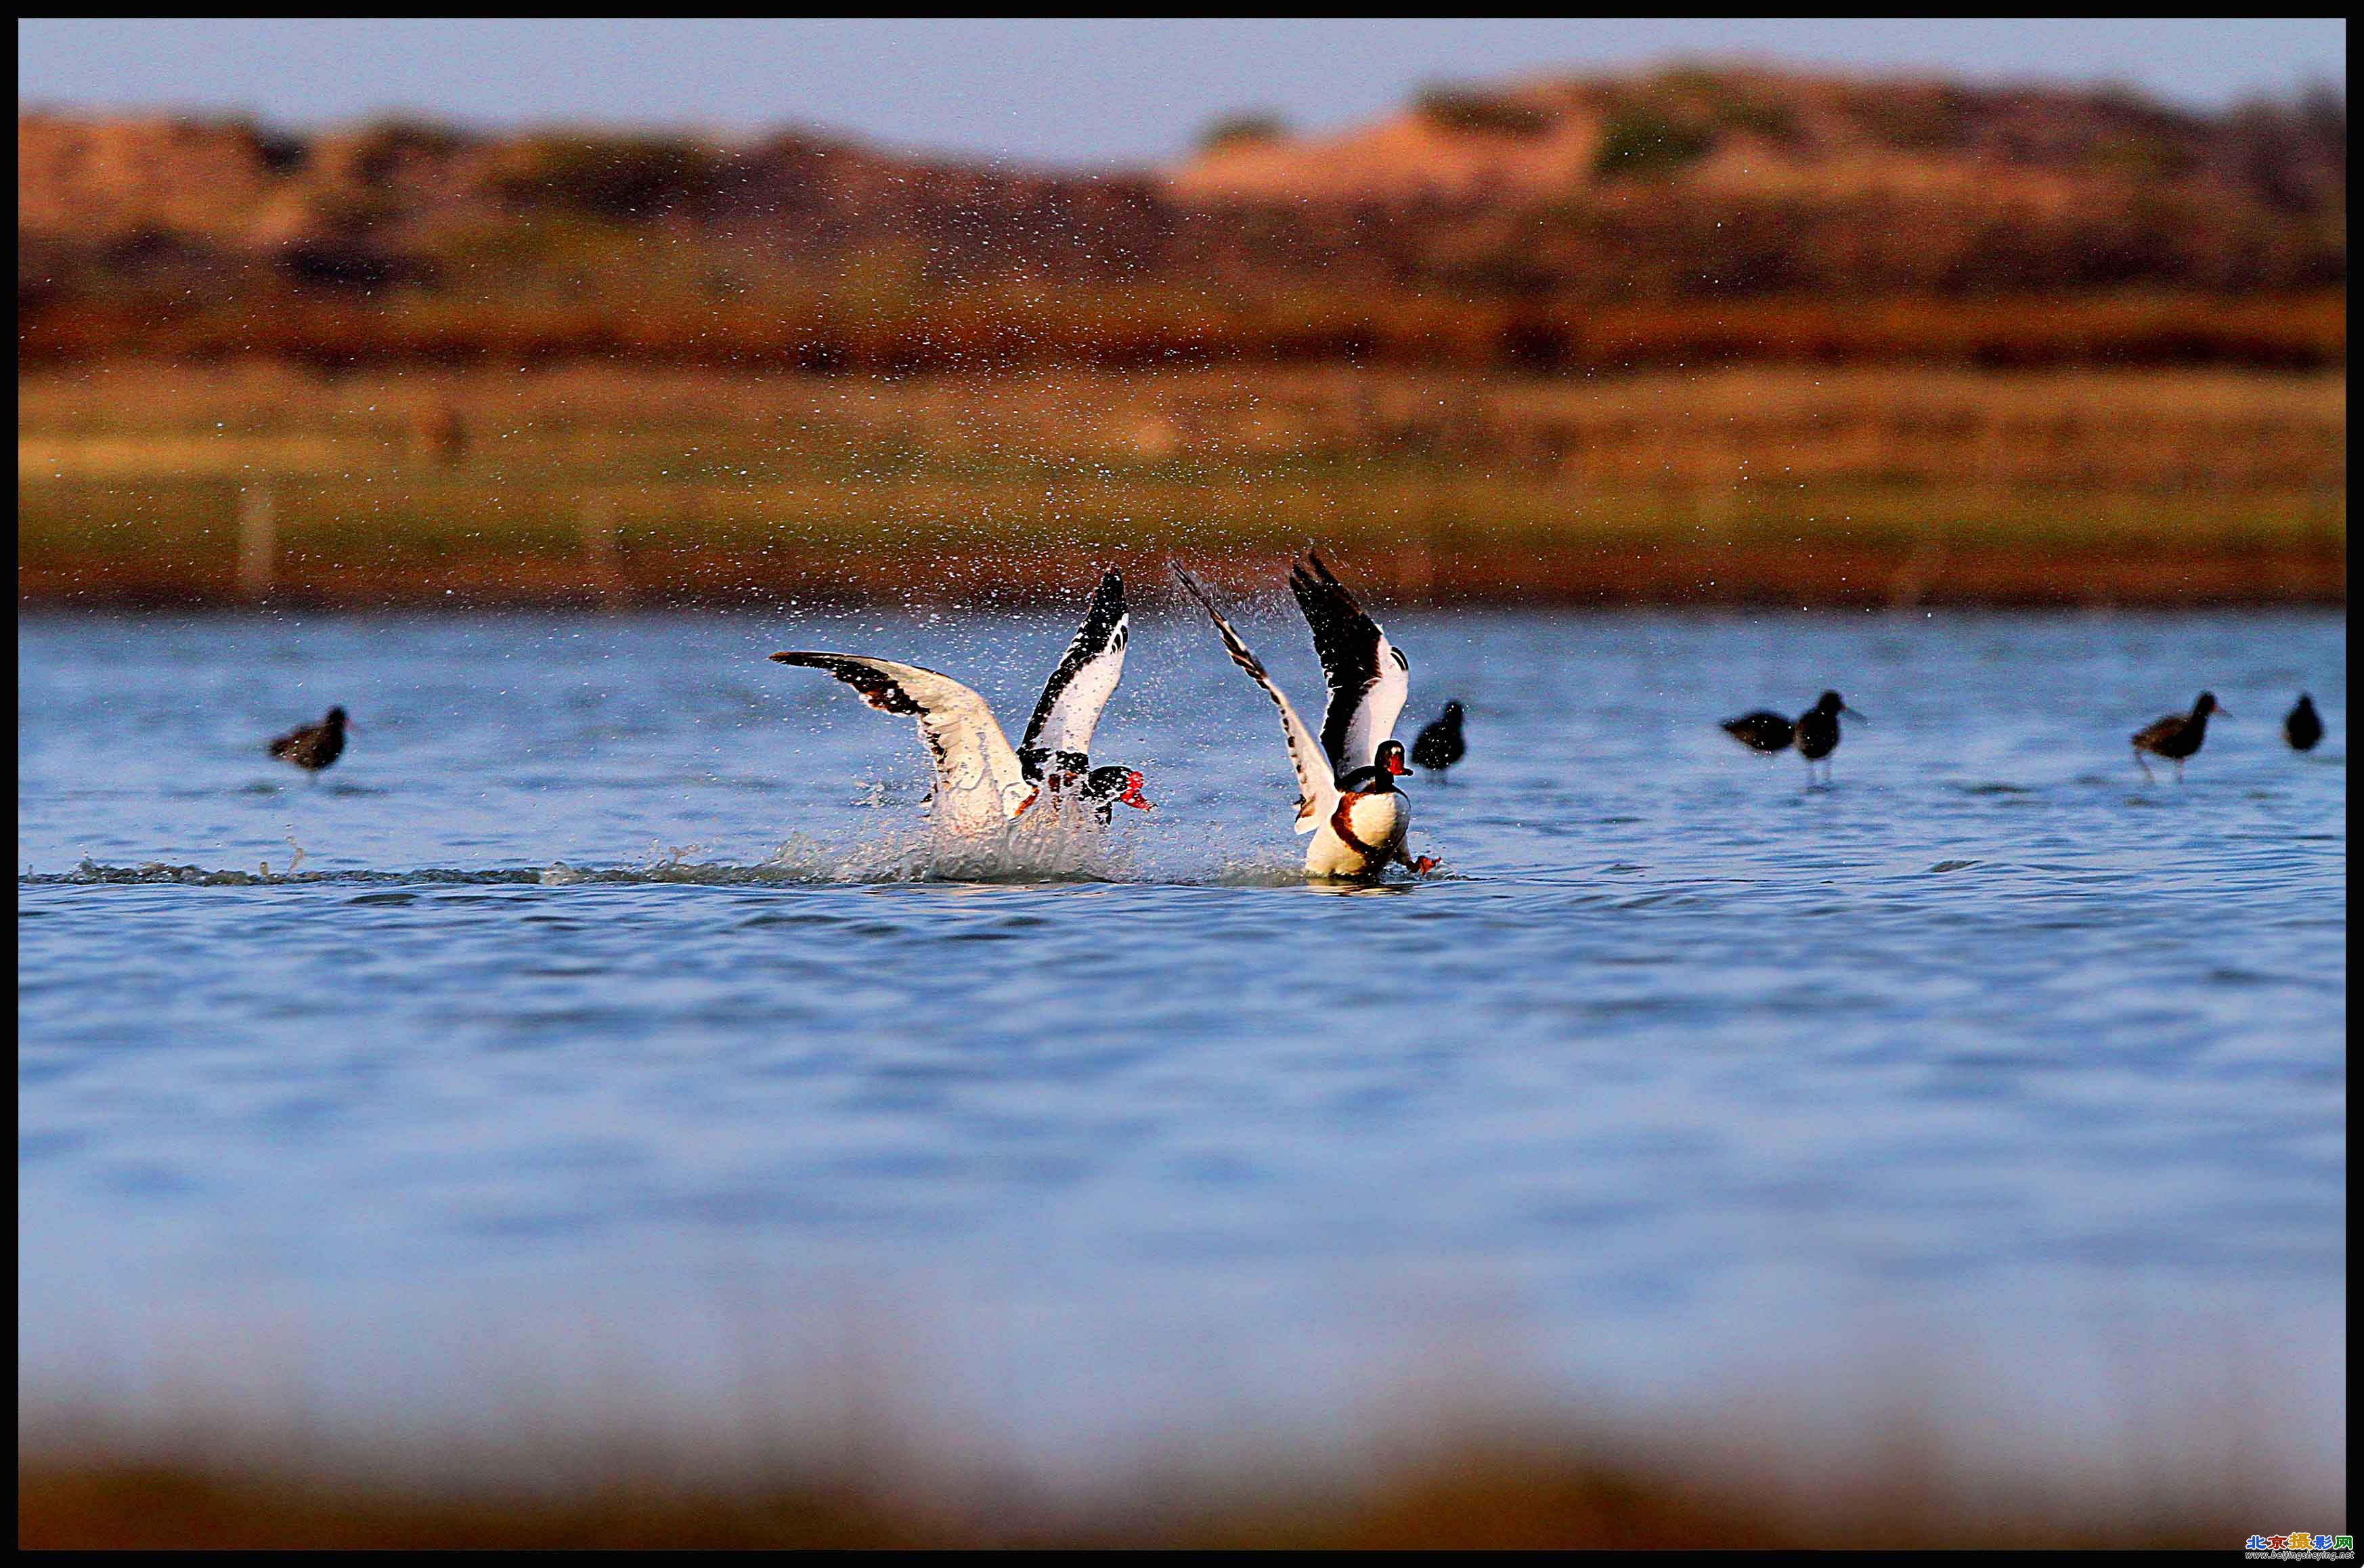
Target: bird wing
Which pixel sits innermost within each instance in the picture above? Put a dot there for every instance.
(1083, 683)
(1762, 729)
(1369, 678)
(1317, 781)
(978, 782)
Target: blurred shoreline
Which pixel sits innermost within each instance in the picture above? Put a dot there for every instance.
(2199, 579)
(168, 485)
(1762, 1472)
(1712, 334)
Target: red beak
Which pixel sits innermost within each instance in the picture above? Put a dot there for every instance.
(1132, 796)
(1396, 766)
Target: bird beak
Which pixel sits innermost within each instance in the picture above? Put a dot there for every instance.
(1852, 714)
(1133, 797)
(2222, 712)
(1396, 766)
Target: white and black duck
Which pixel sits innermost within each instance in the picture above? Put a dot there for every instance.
(1347, 797)
(982, 781)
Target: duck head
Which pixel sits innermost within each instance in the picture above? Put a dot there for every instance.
(2207, 705)
(1832, 703)
(1390, 759)
(1105, 786)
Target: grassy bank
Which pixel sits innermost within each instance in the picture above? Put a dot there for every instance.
(155, 484)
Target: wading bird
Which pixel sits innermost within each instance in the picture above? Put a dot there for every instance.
(1815, 731)
(314, 747)
(1764, 730)
(2176, 736)
(981, 781)
(2302, 726)
(1346, 790)
(1438, 746)
(1818, 730)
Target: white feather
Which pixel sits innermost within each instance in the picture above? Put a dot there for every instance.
(979, 785)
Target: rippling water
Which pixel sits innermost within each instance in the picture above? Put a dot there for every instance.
(611, 1016)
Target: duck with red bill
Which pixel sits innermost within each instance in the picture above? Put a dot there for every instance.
(1103, 786)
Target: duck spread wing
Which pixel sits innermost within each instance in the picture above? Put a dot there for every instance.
(1317, 783)
(1087, 678)
(978, 782)
(1369, 678)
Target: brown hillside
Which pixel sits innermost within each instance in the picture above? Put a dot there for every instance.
(1483, 225)
(1750, 132)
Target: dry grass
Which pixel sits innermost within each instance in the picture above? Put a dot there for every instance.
(1858, 486)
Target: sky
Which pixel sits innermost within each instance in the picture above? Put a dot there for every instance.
(1058, 92)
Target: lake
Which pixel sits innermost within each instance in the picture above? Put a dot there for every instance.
(616, 1042)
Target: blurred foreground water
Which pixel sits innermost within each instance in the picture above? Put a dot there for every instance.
(609, 1054)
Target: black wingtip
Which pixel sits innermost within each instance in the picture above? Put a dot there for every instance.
(1196, 589)
(1110, 595)
(1107, 606)
(1314, 572)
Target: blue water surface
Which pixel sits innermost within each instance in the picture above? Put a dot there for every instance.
(621, 1036)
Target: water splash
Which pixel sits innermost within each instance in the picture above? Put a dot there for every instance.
(1037, 848)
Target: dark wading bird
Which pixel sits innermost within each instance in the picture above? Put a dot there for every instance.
(2176, 736)
(2303, 726)
(982, 782)
(1438, 746)
(314, 747)
(1815, 733)
(1818, 730)
(1764, 730)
